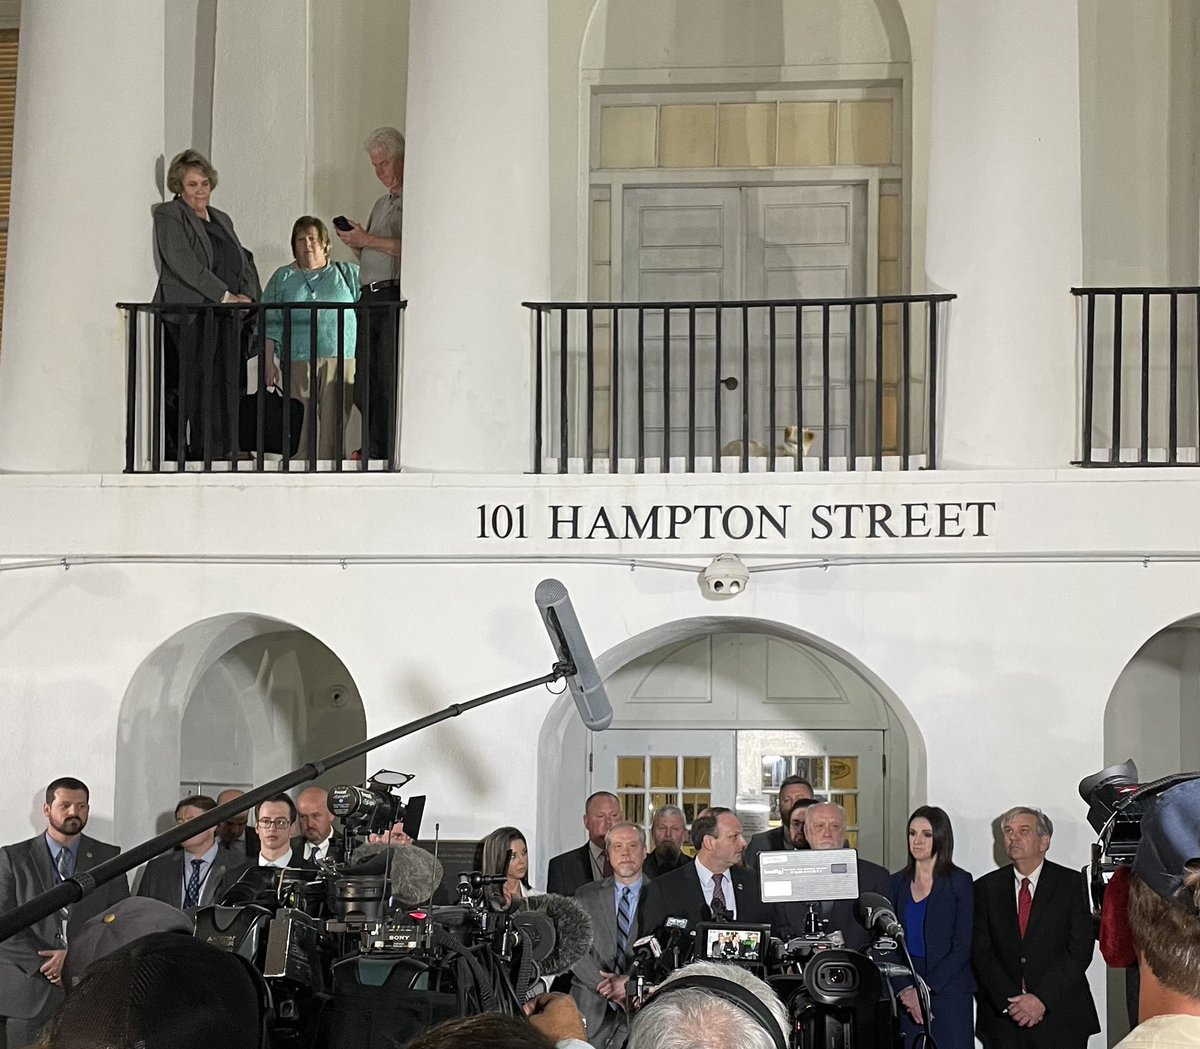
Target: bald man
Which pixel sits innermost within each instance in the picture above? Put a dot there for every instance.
(321, 840)
(234, 836)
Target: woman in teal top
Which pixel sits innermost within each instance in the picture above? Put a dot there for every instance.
(313, 278)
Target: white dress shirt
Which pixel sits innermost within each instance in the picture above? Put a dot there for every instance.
(706, 886)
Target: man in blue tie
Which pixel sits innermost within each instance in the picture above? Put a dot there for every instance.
(195, 874)
(598, 979)
(31, 962)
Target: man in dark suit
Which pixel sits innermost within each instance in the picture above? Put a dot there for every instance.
(714, 883)
(668, 832)
(31, 962)
(234, 835)
(275, 818)
(569, 870)
(1032, 945)
(598, 979)
(825, 828)
(195, 874)
(319, 838)
(779, 839)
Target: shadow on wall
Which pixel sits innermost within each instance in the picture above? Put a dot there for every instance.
(237, 698)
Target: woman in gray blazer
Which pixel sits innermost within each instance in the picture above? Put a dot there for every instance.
(200, 261)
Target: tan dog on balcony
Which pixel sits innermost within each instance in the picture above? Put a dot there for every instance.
(788, 448)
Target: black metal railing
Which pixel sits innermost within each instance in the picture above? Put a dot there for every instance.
(1140, 394)
(801, 383)
(195, 398)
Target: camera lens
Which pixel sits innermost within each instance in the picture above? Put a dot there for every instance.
(837, 975)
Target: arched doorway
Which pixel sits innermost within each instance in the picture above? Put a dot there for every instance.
(758, 699)
(230, 701)
(1153, 717)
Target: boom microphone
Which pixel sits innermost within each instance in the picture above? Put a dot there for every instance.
(583, 679)
(572, 930)
(875, 914)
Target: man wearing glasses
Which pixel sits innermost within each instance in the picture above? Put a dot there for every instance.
(273, 822)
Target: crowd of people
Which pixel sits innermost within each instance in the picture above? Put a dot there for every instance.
(348, 357)
(1004, 956)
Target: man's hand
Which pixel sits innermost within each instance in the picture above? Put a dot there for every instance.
(612, 987)
(912, 1002)
(52, 967)
(356, 237)
(1026, 1009)
(557, 1017)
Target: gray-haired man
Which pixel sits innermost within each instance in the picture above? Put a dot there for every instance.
(377, 248)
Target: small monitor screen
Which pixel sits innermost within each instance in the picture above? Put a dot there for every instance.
(732, 942)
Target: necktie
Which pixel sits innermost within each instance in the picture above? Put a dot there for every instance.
(1024, 906)
(65, 867)
(606, 871)
(718, 897)
(191, 897)
(624, 923)
(312, 853)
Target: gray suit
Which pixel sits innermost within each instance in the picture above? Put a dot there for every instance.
(185, 256)
(26, 871)
(598, 898)
(163, 877)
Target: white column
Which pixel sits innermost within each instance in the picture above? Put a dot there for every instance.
(476, 231)
(89, 129)
(1004, 228)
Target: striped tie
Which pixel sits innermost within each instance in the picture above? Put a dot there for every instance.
(65, 867)
(624, 922)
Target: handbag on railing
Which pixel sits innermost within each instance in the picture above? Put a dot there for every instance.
(273, 408)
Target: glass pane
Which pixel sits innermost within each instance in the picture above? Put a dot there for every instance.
(664, 771)
(816, 773)
(843, 773)
(850, 803)
(657, 801)
(697, 773)
(634, 807)
(631, 771)
(693, 803)
(852, 837)
(773, 767)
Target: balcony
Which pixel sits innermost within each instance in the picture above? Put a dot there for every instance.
(782, 385)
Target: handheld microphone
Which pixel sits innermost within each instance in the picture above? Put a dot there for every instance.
(875, 914)
(583, 679)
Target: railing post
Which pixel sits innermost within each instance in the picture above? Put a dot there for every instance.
(718, 389)
(852, 374)
(1114, 455)
(878, 457)
(1173, 383)
(590, 391)
(641, 370)
(1144, 404)
(1089, 375)
(931, 454)
(665, 465)
(538, 380)
(563, 433)
(904, 386)
(772, 382)
(692, 389)
(824, 390)
(745, 388)
(614, 388)
(131, 323)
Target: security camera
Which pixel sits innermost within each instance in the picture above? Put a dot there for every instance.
(726, 576)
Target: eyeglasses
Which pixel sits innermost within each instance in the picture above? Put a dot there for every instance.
(279, 824)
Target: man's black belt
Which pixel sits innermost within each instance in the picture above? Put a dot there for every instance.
(381, 285)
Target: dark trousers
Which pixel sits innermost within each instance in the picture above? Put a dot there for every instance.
(202, 385)
(375, 391)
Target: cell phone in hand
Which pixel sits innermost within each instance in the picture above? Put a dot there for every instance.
(343, 223)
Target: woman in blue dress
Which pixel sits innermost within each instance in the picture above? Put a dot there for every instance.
(935, 901)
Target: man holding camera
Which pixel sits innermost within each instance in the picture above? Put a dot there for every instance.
(1164, 919)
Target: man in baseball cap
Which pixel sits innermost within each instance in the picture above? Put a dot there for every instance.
(1164, 919)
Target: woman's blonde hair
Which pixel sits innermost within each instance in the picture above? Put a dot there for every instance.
(183, 163)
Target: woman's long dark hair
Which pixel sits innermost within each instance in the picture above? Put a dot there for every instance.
(496, 844)
(943, 842)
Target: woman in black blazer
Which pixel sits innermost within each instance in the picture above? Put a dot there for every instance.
(935, 902)
(200, 261)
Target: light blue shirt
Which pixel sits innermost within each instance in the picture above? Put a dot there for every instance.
(56, 848)
(635, 892)
(206, 862)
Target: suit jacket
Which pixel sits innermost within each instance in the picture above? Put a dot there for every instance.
(569, 870)
(1051, 961)
(654, 868)
(790, 917)
(185, 256)
(949, 919)
(678, 894)
(163, 877)
(598, 898)
(26, 871)
(337, 846)
(773, 840)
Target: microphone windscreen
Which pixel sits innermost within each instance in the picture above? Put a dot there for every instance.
(586, 685)
(572, 930)
(414, 873)
(868, 905)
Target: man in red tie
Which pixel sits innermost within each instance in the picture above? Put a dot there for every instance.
(1032, 945)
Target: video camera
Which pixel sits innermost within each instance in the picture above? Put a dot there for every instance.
(360, 938)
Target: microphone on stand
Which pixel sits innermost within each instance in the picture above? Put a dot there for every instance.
(583, 679)
(875, 914)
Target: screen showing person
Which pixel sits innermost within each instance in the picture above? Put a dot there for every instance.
(743, 943)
